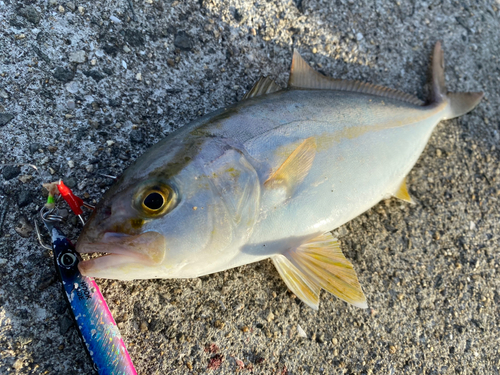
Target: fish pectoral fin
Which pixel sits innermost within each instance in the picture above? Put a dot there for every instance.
(263, 86)
(302, 286)
(302, 76)
(402, 193)
(295, 168)
(319, 263)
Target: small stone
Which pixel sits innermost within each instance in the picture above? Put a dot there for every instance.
(63, 75)
(300, 331)
(10, 171)
(183, 41)
(17, 22)
(314, 50)
(52, 149)
(46, 281)
(5, 118)
(270, 317)
(24, 198)
(115, 19)
(136, 136)
(170, 62)
(61, 9)
(335, 341)
(124, 64)
(72, 87)
(359, 37)
(31, 15)
(219, 324)
(78, 57)
(81, 10)
(245, 329)
(144, 326)
(34, 147)
(115, 103)
(70, 182)
(65, 324)
(4, 94)
(110, 143)
(138, 76)
(133, 38)
(110, 49)
(25, 178)
(71, 6)
(71, 104)
(82, 185)
(95, 74)
(71, 163)
(52, 3)
(24, 228)
(126, 49)
(438, 153)
(51, 170)
(392, 349)
(89, 168)
(18, 364)
(93, 62)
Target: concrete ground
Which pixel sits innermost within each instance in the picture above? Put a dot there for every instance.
(87, 86)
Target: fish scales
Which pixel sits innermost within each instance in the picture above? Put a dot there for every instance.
(268, 177)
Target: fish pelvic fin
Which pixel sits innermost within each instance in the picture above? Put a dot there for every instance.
(458, 103)
(295, 168)
(402, 193)
(302, 76)
(320, 264)
(263, 86)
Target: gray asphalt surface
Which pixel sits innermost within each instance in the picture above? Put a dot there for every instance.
(87, 86)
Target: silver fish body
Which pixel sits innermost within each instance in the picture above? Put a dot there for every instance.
(267, 177)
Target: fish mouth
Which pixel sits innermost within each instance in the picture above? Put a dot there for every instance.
(122, 254)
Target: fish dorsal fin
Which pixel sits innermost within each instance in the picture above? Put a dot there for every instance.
(295, 168)
(402, 193)
(263, 86)
(319, 263)
(302, 76)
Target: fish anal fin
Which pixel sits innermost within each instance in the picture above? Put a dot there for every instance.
(263, 86)
(320, 262)
(297, 282)
(302, 76)
(295, 168)
(402, 193)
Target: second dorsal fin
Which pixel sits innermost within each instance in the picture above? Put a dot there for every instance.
(302, 76)
(263, 86)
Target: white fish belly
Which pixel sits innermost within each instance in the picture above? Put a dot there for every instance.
(360, 160)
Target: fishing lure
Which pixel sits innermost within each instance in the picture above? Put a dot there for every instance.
(95, 323)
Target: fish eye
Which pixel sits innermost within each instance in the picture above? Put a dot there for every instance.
(154, 201)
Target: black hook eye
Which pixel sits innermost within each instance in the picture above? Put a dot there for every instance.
(67, 260)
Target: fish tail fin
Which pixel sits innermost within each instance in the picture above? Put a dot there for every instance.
(319, 264)
(458, 103)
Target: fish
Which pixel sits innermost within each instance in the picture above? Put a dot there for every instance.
(268, 177)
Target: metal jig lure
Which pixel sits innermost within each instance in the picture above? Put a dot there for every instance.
(95, 323)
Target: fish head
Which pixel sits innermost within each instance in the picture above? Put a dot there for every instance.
(172, 213)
